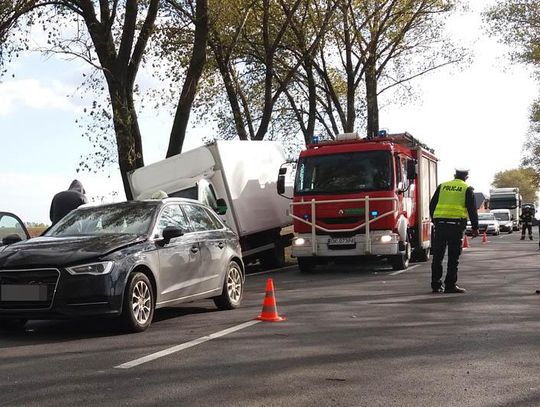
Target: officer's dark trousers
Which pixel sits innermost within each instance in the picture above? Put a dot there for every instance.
(446, 235)
(528, 226)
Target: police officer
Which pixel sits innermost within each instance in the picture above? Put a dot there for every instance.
(449, 207)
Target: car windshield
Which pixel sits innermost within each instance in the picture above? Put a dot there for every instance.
(344, 173)
(133, 218)
(501, 216)
(486, 216)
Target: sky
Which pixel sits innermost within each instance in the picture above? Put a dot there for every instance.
(475, 117)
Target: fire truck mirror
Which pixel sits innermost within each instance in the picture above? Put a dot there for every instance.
(281, 181)
(411, 169)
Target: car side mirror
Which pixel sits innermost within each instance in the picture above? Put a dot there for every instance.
(170, 232)
(281, 181)
(411, 170)
(10, 239)
(221, 208)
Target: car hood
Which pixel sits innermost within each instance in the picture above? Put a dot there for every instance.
(487, 222)
(62, 251)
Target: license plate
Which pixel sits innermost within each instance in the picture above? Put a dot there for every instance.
(341, 241)
(16, 292)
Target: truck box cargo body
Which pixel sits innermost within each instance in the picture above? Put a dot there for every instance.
(358, 197)
(507, 198)
(242, 173)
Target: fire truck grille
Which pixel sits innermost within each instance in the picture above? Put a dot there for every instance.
(342, 220)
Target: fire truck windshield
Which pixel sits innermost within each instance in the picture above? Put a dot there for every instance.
(344, 173)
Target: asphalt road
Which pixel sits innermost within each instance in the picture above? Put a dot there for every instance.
(354, 336)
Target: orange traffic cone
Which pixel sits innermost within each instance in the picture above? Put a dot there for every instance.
(484, 238)
(269, 310)
(465, 242)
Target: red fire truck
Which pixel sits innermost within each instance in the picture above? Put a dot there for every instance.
(357, 197)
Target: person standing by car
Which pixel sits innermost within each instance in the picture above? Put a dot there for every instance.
(526, 218)
(65, 201)
(451, 204)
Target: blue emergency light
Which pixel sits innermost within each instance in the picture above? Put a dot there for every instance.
(374, 213)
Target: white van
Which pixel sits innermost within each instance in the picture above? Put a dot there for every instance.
(505, 218)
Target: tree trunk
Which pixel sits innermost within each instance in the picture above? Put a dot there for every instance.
(128, 137)
(371, 99)
(194, 73)
(312, 102)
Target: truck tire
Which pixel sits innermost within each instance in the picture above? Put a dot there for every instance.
(422, 255)
(306, 264)
(12, 324)
(275, 258)
(401, 261)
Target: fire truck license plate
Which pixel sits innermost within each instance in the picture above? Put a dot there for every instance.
(341, 241)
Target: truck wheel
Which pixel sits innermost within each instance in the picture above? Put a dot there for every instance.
(233, 288)
(423, 254)
(306, 264)
(401, 261)
(13, 324)
(275, 258)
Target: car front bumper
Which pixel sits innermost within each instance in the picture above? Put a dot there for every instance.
(67, 296)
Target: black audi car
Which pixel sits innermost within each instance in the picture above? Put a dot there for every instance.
(124, 259)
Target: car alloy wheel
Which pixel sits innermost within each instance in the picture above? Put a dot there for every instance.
(138, 307)
(233, 288)
(141, 302)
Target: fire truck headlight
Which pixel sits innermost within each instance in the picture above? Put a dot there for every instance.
(299, 241)
(386, 239)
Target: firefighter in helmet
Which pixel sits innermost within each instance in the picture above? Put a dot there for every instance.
(451, 204)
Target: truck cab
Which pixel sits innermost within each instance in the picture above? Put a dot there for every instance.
(358, 197)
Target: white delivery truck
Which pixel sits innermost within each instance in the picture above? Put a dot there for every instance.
(507, 198)
(235, 178)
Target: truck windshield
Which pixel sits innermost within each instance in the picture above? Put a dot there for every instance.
(344, 173)
(506, 202)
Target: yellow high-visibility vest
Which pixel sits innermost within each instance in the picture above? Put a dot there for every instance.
(451, 203)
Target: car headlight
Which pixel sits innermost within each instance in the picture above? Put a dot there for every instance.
(95, 269)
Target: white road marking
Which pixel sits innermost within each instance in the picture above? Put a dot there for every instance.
(178, 348)
(395, 273)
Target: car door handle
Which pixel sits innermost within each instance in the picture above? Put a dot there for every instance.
(221, 245)
(194, 249)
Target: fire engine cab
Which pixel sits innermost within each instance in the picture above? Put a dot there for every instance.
(357, 197)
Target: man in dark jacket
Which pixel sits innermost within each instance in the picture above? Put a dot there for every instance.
(526, 218)
(65, 201)
(451, 204)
